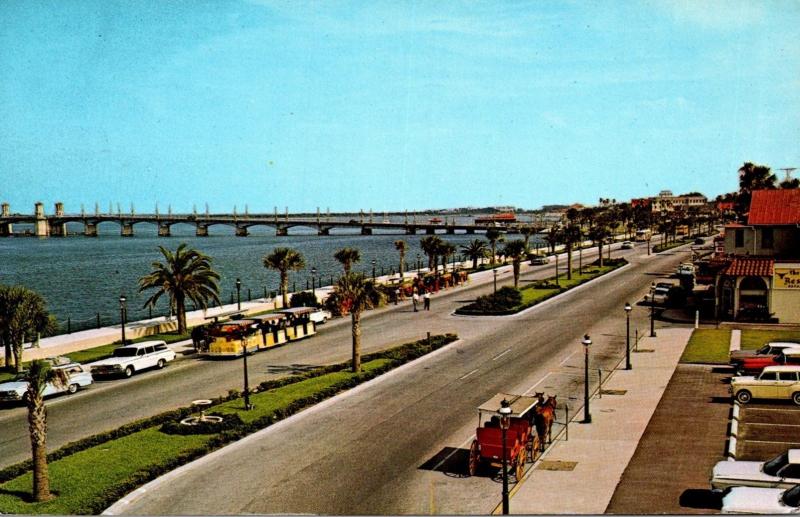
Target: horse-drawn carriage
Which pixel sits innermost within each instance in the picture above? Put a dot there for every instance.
(527, 421)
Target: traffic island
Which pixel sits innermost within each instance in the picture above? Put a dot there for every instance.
(89, 475)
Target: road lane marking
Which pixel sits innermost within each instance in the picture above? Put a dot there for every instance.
(495, 358)
(527, 392)
(467, 374)
(568, 358)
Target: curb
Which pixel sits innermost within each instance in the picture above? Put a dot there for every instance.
(734, 430)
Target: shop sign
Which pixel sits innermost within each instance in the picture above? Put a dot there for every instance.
(787, 278)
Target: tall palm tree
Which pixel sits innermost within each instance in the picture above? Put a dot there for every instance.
(401, 246)
(430, 246)
(515, 250)
(752, 177)
(553, 237)
(39, 374)
(355, 294)
(446, 250)
(598, 233)
(184, 275)
(347, 257)
(494, 236)
(284, 260)
(571, 234)
(474, 249)
(526, 232)
(22, 316)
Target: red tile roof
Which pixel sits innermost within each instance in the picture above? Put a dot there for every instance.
(781, 206)
(750, 267)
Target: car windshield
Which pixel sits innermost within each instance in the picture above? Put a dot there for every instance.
(791, 497)
(772, 466)
(763, 350)
(125, 352)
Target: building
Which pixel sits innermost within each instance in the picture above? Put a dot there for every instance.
(666, 202)
(762, 277)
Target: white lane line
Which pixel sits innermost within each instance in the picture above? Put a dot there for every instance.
(529, 390)
(495, 358)
(568, 358)
(467, 375)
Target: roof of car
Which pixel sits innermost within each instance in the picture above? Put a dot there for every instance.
(782, 368)
(794, 455)
(783, 343)
(143, 343)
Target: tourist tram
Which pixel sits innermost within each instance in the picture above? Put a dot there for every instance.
(232, 338)
(522, 441)
(273, 329)
(298, 322)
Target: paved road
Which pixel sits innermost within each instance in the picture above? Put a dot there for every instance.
(109, 404)
(398, 446)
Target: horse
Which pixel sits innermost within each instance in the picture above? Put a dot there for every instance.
(544, 414)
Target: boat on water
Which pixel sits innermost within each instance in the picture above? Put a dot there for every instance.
(435, 220)
(494, 219)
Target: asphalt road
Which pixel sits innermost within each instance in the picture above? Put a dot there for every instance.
(398, 445)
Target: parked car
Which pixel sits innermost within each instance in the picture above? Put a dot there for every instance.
(538, 260)
(699, 241)
(320, 316)
(77, 377)
(775, 382)
(685, 268)
(782, 471)
(627, 245)
(755, 364)
(660, 295)
(130, 359)
(769, 501)
(771, 348)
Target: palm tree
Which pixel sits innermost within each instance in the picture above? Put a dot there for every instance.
(446, 250)
(571, 234)
(430, 246)
(22, 315)
(752, 177)
(347, 257)
(355, 294)
(516, 251)
(526, 232)
(186, 274)
(402, 247)
(598, 233)
(39, 374)
(284, 260)
(494, 236)
(553, 237)
(474, 249)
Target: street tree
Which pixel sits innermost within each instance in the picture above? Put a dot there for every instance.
(284, 260)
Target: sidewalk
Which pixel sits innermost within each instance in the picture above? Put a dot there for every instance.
(579, 475)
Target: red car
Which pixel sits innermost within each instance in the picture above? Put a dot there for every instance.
(753, 365)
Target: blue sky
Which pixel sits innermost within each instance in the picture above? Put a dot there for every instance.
(389, 105)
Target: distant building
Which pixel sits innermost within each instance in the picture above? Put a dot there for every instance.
(666, 202)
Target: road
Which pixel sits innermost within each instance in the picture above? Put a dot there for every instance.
(399, 445)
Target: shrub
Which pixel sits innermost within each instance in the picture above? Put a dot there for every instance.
(505, 299)
(229, 421)
(304, 299)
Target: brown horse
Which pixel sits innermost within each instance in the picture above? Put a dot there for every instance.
(544, 414)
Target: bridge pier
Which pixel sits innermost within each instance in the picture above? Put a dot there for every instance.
(430, 231)
(470, 231)
(6, 229)
(202, 230)
(57, 229)
(40, 226)
(127, 229)
(281, 231)
(241, 231)
(411, 230)
(90, 229)
(366, 230)
(450, 230)
(163, 230)
(324, 230)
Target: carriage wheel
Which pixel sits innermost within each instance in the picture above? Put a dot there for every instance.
(474, 458)
(519, 468)
(534, 447)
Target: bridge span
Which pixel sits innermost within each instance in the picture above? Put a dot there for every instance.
(55, 225)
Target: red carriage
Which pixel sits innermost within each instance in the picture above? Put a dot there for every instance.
(522, 441)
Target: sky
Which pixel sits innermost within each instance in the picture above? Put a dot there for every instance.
(389, 105)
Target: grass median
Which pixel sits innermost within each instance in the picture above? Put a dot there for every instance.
(708, 346)
(754, 338)
(92, 474)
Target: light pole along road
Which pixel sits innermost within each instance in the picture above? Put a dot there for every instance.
(399, 446)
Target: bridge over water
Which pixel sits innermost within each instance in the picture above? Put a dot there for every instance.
(56, 224)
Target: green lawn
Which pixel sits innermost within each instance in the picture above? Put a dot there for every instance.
(708, 346)
(752, 339)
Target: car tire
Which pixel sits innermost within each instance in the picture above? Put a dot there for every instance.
(744, 396)
(72, 388)
(160, 364)
(796, 398)
(128, 371)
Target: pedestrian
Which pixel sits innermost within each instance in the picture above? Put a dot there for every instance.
(427, 299)
(415, 299)
(396, 295)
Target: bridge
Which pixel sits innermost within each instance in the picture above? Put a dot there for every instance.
(55, 225)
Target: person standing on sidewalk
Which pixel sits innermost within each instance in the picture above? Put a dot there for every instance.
(427, 300)
(415, 299)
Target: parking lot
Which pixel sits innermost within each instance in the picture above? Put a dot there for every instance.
(767, 429)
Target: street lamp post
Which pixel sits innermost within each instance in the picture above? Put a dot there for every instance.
(373, 269)
(587, 416)
(652, 310)
(238, 294)
(314, 282)
(505, 412)
(494, 271)
(123, 311)
(419, 265)
(247, 405)
(628, 310)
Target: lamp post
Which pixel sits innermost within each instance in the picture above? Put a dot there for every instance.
(238, 294)
(494, 271)
(247, 405)
(505, 412)
(652, 309)
(628, 310)
(373, 269)
(123, 310)
(314, 282)
(587, 342)
(419, 265)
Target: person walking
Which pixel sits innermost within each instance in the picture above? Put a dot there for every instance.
(415, 299)
(427, 299)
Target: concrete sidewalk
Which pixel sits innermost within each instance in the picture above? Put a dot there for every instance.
(579, 475)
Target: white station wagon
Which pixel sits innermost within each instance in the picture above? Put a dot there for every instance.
(77, 376)
(775, 382)
(767, 501)
(782, 471)
(130, 359)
